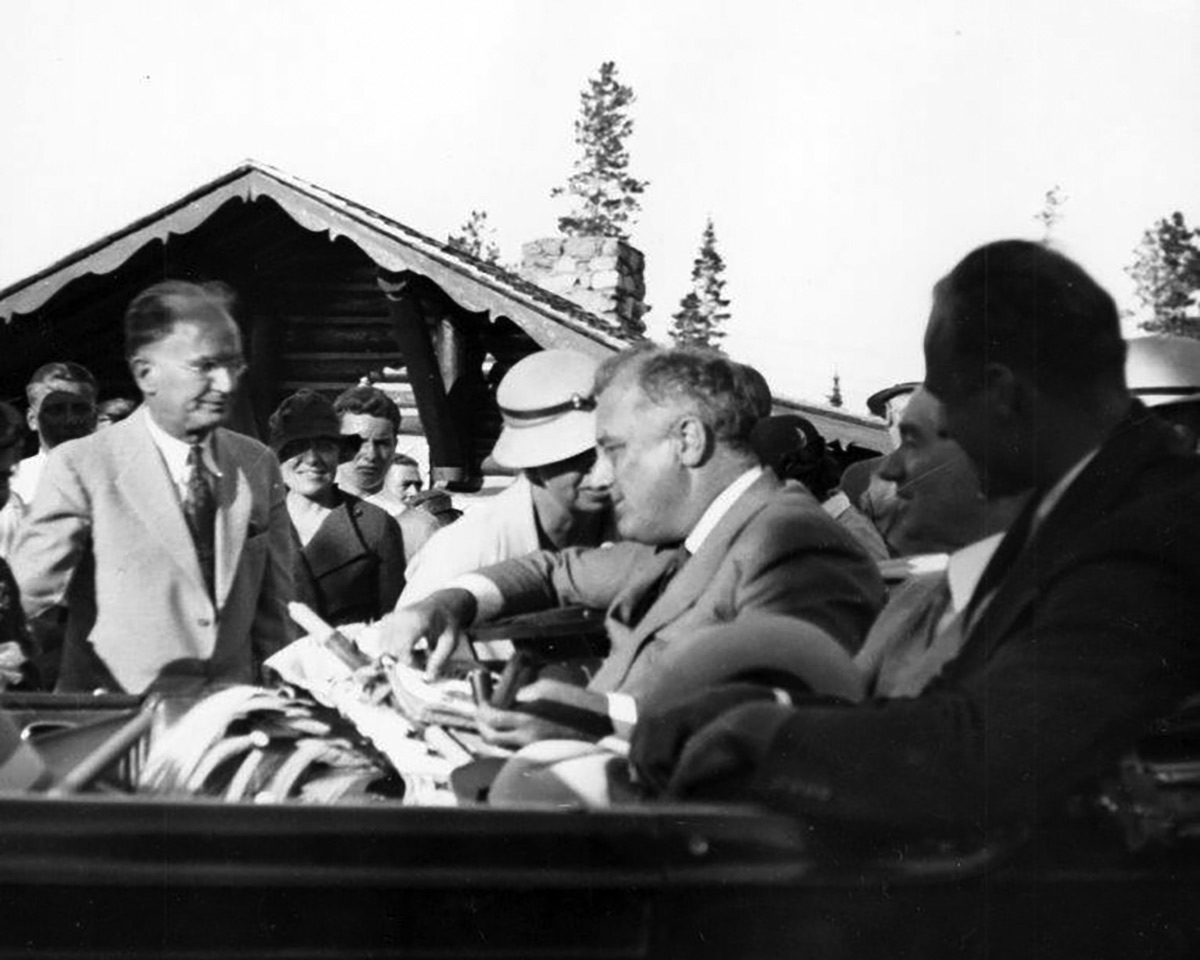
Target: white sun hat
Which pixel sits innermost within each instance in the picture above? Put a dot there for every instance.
(1162, 369)
(547, 405)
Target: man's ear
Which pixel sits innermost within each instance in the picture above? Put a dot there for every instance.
(143, 374)
(1005, 389)
(693, 441)
(31, 417)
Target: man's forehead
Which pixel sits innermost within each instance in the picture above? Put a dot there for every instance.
(923, 411)
(627, 404)
(366, 425)
(205, 327)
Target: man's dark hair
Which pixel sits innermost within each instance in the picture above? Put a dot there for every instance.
(116, 408)
(62, 371)
(758, 389)
(368, 401)
(717, 388)
(1026, 306)
(154, 312)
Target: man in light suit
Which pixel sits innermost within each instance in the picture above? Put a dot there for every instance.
(708, 536)
(1081, 631)
(920, 629)
(165, 536)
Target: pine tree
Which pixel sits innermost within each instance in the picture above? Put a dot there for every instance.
(476, 238)
(1166, 271)
(703, 311)
(605, 195)
(835, 395)
(1052, 210)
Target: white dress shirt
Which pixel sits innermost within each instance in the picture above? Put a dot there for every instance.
(25, 478)
(175, 454)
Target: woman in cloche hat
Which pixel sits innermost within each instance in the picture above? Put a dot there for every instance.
(349, 558)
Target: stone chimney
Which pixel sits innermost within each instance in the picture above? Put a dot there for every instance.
(601, 274)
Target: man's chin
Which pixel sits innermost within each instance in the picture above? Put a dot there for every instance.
(204, 421)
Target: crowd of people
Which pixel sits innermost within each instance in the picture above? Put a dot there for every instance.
(953, 639)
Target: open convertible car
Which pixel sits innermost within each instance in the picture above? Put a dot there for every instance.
(243, 850)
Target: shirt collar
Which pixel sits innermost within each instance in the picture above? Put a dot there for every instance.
(175, 451)
(836, 505)
(965, 566)
(718, 508)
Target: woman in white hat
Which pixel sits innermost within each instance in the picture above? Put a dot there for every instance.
(549, 435)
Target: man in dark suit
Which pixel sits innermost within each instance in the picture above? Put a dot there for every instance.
(707, 536)
(1081, 631)
(166, 535)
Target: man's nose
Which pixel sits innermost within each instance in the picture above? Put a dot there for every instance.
(892, 467)
(601, 474)
(223, 380)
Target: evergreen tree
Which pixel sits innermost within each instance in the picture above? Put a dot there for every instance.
(1052, 210)
(835, 395)
(476, 238)
(605, 195)
(703, 311)
(1166, 271)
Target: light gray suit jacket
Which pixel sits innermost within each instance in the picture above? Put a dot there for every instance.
(106, 537)
(774, 550)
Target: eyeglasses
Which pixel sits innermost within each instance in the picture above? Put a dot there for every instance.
(208, 368)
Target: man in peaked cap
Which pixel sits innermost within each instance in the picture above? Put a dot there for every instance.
(549, 437)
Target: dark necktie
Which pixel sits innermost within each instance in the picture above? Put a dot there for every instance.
(678, 558)
(200, 511)
(1002, 562)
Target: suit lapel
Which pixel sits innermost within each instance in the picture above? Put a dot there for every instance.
(335, 544)
(233, 514)
(697, 573)
(1103, 485)
(152, 494)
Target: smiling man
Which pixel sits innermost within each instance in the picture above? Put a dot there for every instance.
(165, 536)
(372, 419)
(708, 536)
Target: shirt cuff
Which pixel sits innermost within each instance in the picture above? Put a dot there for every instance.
(622, 711)
(488, 599)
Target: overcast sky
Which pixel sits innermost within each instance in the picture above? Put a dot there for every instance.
(848, 154)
